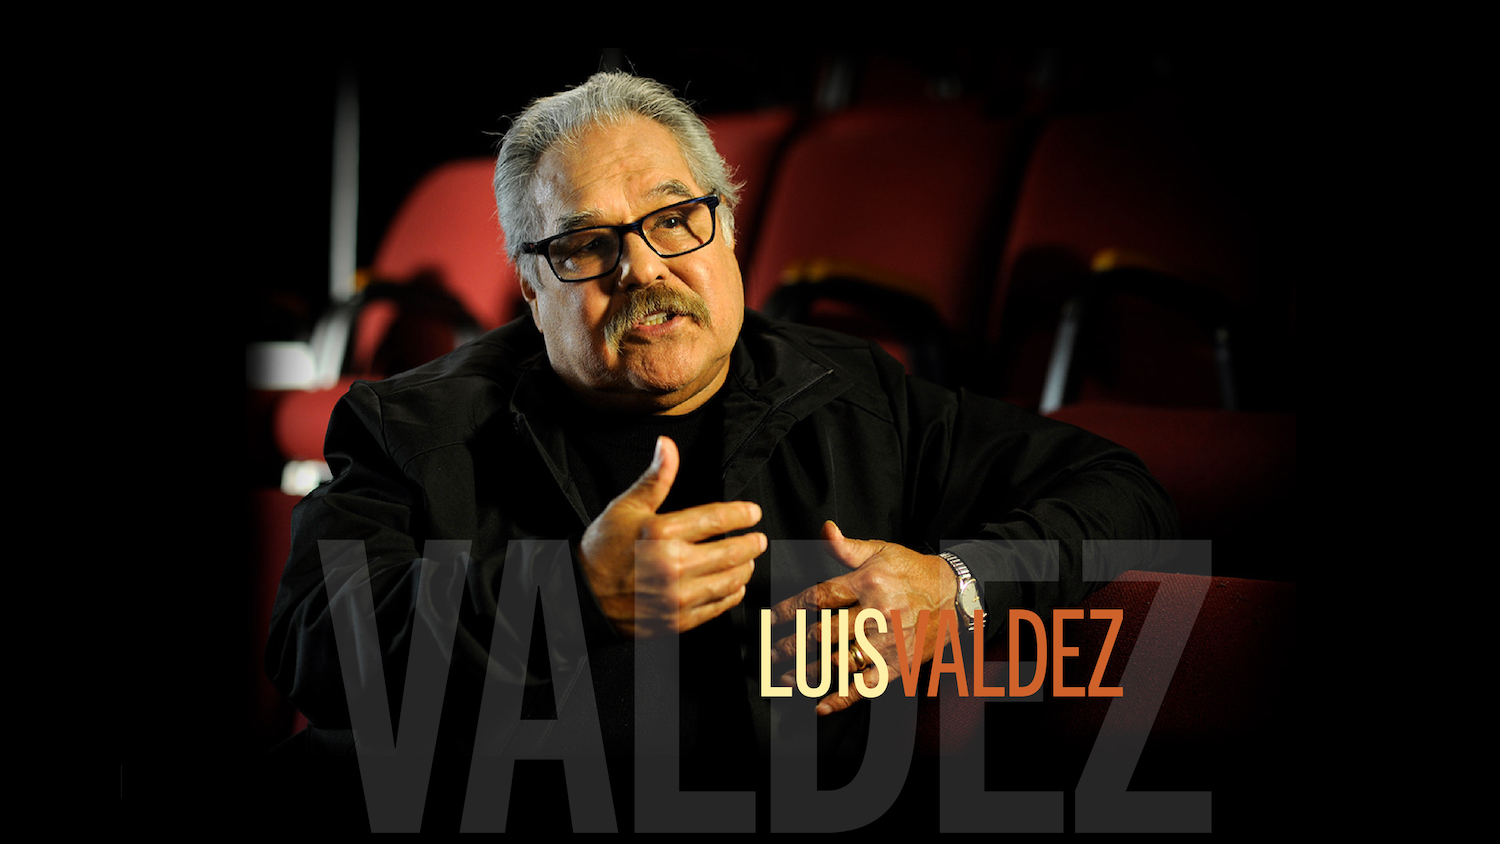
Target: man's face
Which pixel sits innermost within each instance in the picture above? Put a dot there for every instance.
(614, 176)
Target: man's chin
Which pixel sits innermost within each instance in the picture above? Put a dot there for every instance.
(671, 390)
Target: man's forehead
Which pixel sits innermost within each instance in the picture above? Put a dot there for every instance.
(665, 193)
(635, 166)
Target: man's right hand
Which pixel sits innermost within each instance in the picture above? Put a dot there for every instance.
(664, 573)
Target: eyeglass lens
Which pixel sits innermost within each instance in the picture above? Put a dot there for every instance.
(672, 231)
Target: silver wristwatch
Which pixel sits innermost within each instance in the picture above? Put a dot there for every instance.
(967, 602)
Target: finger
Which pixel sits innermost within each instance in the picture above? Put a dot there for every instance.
(816, 631)
(834, 703)
(696, 524)
(668, 561)
(810, 642)
(683, 605)
(696, 616)
(651, 488)
(707, 558)
(830, 594)
(851, 552)
(710, 590)
(839, 657)
(690, 603)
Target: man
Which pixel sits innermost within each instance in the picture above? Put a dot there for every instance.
(681, 454)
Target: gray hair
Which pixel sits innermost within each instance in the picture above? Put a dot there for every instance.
(604, 100)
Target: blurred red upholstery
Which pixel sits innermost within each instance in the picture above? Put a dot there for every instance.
(751, 143)
(446, 228)
(907, 192)
(1149, 186)
(1231, 474)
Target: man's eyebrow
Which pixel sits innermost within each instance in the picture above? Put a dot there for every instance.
(671, 188)
(575, 220)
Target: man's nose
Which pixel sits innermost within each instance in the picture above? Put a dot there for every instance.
(639, 263)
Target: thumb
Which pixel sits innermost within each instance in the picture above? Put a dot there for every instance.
(851, 552)
(652, 486)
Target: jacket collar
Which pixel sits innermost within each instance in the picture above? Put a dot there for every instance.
(774, 383)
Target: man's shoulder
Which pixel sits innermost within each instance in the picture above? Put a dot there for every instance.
(456, 394)
(792, 355)
(850, 356)
(498, 356)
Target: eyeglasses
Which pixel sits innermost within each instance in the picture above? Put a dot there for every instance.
(584, 254)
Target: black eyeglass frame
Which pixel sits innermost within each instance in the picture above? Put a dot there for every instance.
(539, 247)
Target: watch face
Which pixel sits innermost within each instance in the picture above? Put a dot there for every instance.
(968, 597)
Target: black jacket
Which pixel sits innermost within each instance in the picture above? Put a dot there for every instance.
(817, 426)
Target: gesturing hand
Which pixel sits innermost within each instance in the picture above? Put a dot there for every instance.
(886, 577)
(656, 573)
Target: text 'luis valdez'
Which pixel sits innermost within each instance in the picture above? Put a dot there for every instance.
(910, 665)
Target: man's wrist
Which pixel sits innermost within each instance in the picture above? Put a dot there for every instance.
(966, 600)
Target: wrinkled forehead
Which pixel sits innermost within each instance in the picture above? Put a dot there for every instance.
(611, 174)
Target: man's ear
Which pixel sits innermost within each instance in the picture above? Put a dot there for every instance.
(529, 294)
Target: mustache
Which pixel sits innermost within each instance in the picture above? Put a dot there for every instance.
(644, 301)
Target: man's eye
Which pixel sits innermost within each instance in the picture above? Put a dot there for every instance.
(584, 246)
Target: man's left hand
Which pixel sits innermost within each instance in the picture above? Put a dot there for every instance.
(886, 577)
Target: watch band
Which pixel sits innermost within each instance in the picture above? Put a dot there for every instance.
(966, 600)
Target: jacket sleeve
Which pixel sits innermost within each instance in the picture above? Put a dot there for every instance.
(1025, 501)
(354, 536)
(376, 599)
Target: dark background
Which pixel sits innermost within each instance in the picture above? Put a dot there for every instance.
(416, 114)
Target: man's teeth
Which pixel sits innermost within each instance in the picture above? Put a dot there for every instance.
(657, 318)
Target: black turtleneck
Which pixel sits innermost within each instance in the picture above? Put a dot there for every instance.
(607, 452)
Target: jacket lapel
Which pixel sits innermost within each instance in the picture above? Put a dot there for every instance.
(772, 385)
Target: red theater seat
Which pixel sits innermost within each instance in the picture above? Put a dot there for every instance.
(1153, 187)
(751, 143)
(900, 197)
